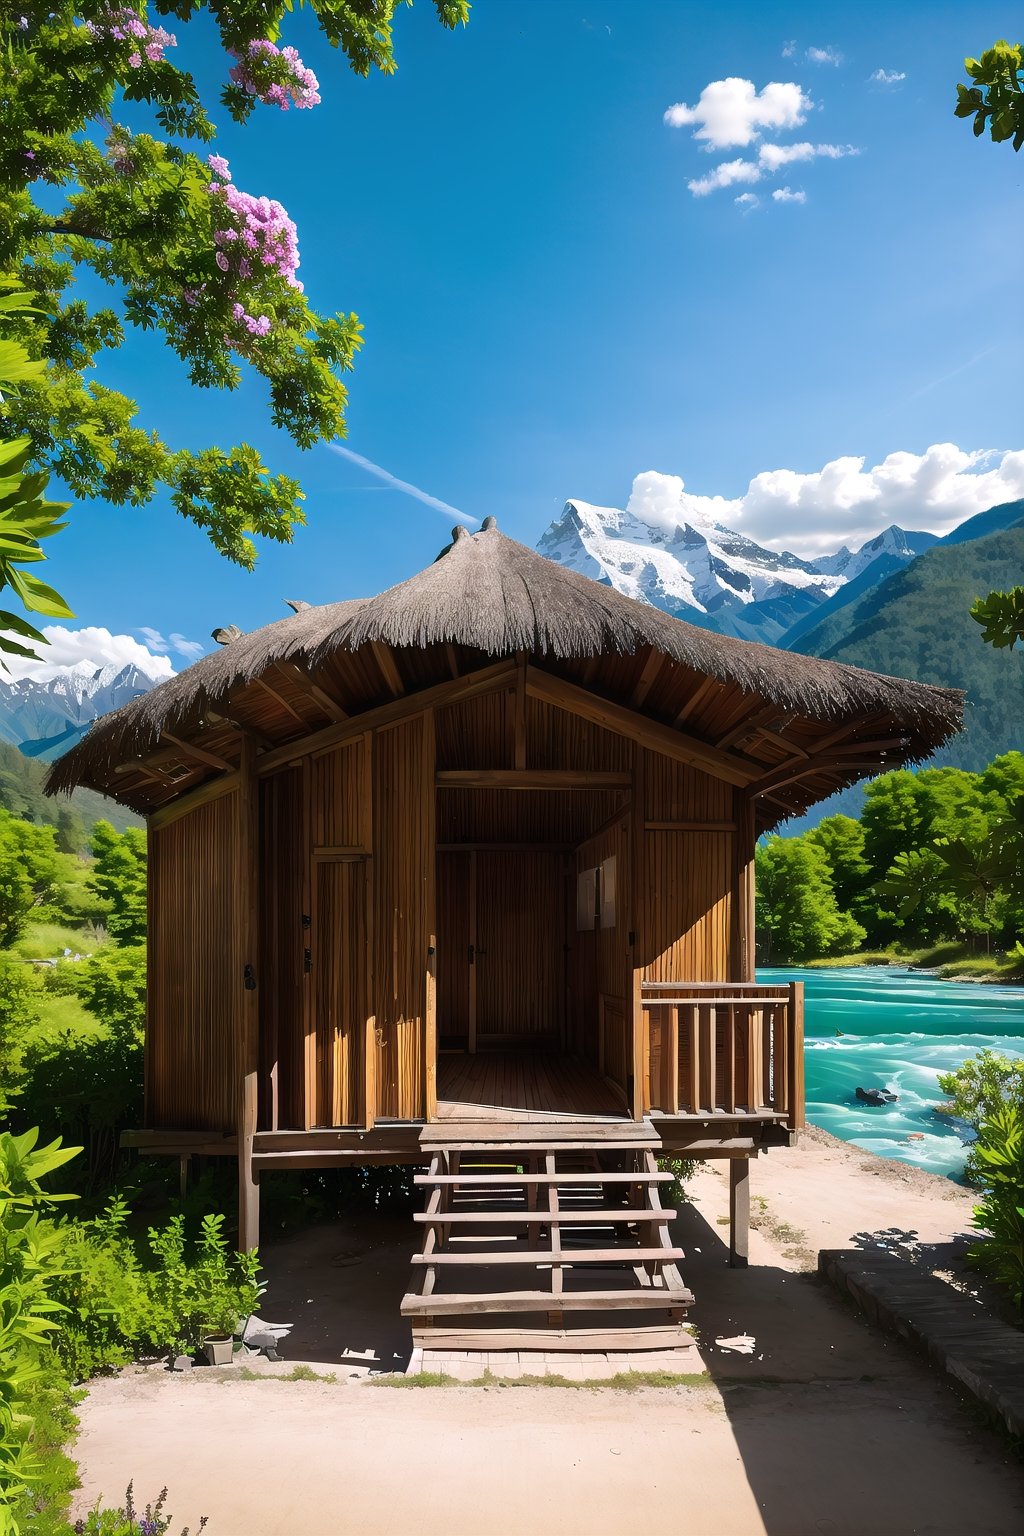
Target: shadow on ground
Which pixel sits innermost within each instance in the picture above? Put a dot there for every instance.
(339, 1285)
(830, 1417)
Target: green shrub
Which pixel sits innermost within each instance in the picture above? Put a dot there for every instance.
(33, 1471)
(123, 1304)
(978, 1089)
(999, 1158)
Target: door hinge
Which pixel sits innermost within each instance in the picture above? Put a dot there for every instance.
(249, 979)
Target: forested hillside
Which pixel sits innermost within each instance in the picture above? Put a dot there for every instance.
(917, 624)
(21, 793)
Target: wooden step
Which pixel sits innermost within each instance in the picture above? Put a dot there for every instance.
(584, 1217)
(598, 1176)
(630, 1336)
(552, 1135)
(471, 1303)
(544, 1258)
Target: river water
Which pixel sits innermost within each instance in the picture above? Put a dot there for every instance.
(883, 1027)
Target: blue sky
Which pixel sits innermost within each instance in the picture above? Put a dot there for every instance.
(550, 310)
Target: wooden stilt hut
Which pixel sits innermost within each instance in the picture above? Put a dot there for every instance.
(462, 876)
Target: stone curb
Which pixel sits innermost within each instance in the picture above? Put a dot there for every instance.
(951, 1330)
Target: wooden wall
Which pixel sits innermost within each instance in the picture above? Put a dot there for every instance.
(195, 985)
(354, 903)
(685, 877)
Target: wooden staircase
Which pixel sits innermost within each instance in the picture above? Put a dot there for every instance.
(573, 1208)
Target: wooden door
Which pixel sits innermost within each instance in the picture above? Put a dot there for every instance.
(456, 932)
(339, 973)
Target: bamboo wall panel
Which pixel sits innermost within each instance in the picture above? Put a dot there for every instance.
(403, 874)
(195, 973)
(556, 738)
(559, 817)
(476, 733)
(453, 940)
(686, 897)
(283, 939)
(340, 983)
(520, 960)
(675, 792)
(340, 797)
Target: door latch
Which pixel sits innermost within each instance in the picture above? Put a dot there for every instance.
(249, 979)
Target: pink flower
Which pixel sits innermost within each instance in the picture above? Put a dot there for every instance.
(219, 166)
(222, 261)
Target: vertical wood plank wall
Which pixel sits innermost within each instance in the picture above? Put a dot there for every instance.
(347, 840)
(403, 867)
(195, 972)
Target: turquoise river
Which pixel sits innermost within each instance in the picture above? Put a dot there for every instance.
(881, 1027)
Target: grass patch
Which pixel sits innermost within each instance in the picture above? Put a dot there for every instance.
(866, 957)
(622, 1381)
(297, 1373)
(48, 941)
(61, 1015)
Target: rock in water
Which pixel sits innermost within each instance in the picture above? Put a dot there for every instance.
(876, 1096)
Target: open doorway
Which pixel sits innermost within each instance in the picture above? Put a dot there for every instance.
(518, 1005)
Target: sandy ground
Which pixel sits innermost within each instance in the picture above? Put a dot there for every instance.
(807, 1421)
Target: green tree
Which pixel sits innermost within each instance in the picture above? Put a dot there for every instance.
(84, 193)
(796, 903)
(17, 1016)
(995, 98)
(71, 837)
(119, 877)
(842, 839)
(30, 874)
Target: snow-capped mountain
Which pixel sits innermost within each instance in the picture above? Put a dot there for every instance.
(710, 574)
(44, 718)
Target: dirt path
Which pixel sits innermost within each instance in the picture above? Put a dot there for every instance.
(807, 1423)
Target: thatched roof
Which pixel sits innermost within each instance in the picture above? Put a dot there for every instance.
(494, 596)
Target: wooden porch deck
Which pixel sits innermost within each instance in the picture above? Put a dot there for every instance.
(528, 1085)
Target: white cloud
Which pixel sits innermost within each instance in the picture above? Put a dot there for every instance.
(786, 195)
(888, 76)
(725, 175)
(773, 156)
(747, 200)
(89, 649)
(824, 56)
(789, 48)
(844, 502)
(393, 483)
(157, 642)
(770, 158)
(732, 112)
(189, 648)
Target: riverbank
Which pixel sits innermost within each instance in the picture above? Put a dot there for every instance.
(950, 962)
(800, 1397)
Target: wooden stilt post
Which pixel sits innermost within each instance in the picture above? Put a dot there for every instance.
(247, 1037)
(739, 1212)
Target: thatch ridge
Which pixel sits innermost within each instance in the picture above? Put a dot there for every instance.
(488, 592)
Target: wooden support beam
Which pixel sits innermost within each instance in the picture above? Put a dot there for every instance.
(384, 656)
(689, 826)
(610, 821)
(213, 789)
(807, 768)
(695, 700)
(519, 715)
(246, 896)
(258, 737)
(453, 660)
(739, 1212)
(639, 728)
(652, 666)
(486, 680)
(749, 723)
(200, 753)
(279, 698)
(330, 706)
(536, 778)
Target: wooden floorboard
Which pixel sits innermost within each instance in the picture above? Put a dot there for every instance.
(531, 1085)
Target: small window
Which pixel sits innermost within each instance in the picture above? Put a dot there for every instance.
(607, 892)
(586, 899)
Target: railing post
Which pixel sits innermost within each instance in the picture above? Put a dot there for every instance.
(796, 1055)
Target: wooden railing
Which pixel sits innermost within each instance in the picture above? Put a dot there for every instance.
(718, 1048)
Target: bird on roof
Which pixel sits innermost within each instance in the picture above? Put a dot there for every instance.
(226, 633)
